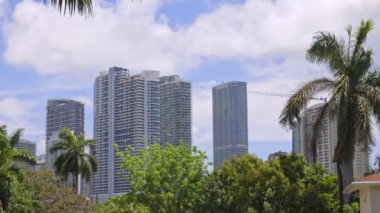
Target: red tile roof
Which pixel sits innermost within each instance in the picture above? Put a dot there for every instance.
(370, 178)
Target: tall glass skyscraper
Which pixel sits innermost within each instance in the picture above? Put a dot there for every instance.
(62, 113)
(126, 112)
(175, 110)
(230, 121)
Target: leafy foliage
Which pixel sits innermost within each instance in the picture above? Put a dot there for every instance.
(9, 172)
(23, 199)
(164, 178)
(175, 179)
(284, 184)
(54, 195)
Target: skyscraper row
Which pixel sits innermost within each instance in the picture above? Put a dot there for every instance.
(135, 110)
(326, 142)
(143, 109)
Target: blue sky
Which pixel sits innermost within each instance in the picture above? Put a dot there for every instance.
(263, 42)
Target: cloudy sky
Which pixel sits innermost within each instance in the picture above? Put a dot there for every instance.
(263, 42)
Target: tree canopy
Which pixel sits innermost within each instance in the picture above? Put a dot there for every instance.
(164, 178)
(175, 179)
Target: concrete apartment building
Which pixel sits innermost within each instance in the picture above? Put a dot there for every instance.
(175, 110)
(126, 112)
(62, 113)
(326, 142)
(28, 146)
(230, 121)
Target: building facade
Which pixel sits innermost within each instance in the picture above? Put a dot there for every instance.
(126, 112)
(175, 110)
(62, 113)
(326, 142)
(28, 146)
(230, 121)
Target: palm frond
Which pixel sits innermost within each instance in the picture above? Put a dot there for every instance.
(369, 89)
(60, 145)
(339, 94)
(15, 137)
(290, 114)
(60, 165)
(90, 143)
(364, 124)
(66, 135)
(361, 64)
(361, 35)
(3, 129)
(83, 7)
(25, 156)
(327, 49)
(372, 78)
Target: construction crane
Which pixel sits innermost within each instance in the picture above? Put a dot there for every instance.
(284, 95)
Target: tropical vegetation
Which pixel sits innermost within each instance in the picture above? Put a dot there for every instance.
(175, 179)
(354, 96)
(10, 173)
(54, 195)
(72, 157)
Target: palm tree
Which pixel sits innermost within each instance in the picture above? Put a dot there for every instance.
(73, 158)
(354, 96)
(83, 7)
(9, 171)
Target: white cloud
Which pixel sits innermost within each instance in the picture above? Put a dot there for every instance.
(12, 108)
(21, 114)
(129, 34)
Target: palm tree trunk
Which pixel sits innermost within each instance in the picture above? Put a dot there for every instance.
(78, 183)
(345, 175)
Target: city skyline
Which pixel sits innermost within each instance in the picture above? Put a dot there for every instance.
(197, 40)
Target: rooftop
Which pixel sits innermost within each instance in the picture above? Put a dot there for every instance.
(370, 180)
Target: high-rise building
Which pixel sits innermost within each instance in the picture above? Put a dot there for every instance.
(230, 121)
(126, 112)
(62, 113)
(29, 147)
(175, 110)
(326, 142)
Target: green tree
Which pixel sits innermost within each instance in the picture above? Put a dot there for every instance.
(23, 199)
(354, 96)
(120, 204)
(73, 158)
(164, 178)
(83, 7)
(9, 172)
(54, 195)
(283, 184)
